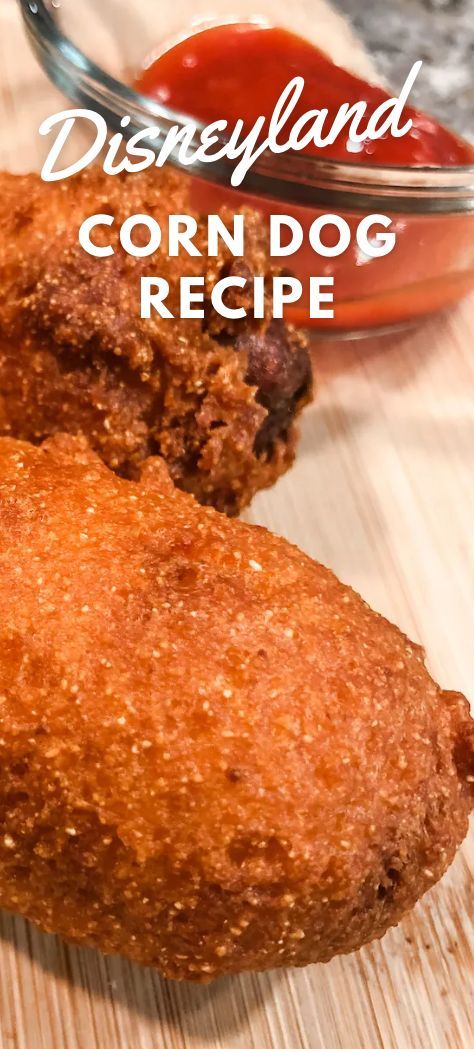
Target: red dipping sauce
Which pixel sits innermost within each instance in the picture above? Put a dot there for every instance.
(238, 71)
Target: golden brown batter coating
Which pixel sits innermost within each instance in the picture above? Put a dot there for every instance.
(215, 756)
(217, 399)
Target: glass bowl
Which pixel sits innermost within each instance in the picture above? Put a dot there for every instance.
(92, 56)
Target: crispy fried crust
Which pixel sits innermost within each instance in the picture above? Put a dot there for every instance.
(217, 399)
(215, 756)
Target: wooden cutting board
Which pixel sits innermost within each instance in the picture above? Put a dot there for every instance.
(383, 493)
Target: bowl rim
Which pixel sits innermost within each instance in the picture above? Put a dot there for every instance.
(294, 178)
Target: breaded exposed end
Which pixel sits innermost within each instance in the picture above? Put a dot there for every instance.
(217, 399)
(214, 755)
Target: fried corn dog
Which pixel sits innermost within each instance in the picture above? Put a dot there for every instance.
(215, 756)
(216, 398)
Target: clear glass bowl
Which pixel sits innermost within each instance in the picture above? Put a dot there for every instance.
(92, 56)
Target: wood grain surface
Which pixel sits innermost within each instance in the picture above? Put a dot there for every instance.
(383, 493)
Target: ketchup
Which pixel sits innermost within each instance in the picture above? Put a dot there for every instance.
(238, 71)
